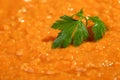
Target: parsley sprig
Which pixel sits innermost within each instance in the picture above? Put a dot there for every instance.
(75, 30)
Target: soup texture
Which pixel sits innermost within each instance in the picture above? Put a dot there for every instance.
(26, 38)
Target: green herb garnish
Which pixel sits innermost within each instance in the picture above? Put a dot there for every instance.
(75, 30)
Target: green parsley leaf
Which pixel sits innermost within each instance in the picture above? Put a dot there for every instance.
(99, 27)
(75, 31)
(70, 28)
(65, 36)
(80, 35)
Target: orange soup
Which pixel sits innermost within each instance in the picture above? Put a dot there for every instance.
(26, 38)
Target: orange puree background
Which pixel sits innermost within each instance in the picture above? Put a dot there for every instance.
(26, 37)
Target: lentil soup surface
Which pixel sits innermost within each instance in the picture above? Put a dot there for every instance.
(26, 37)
